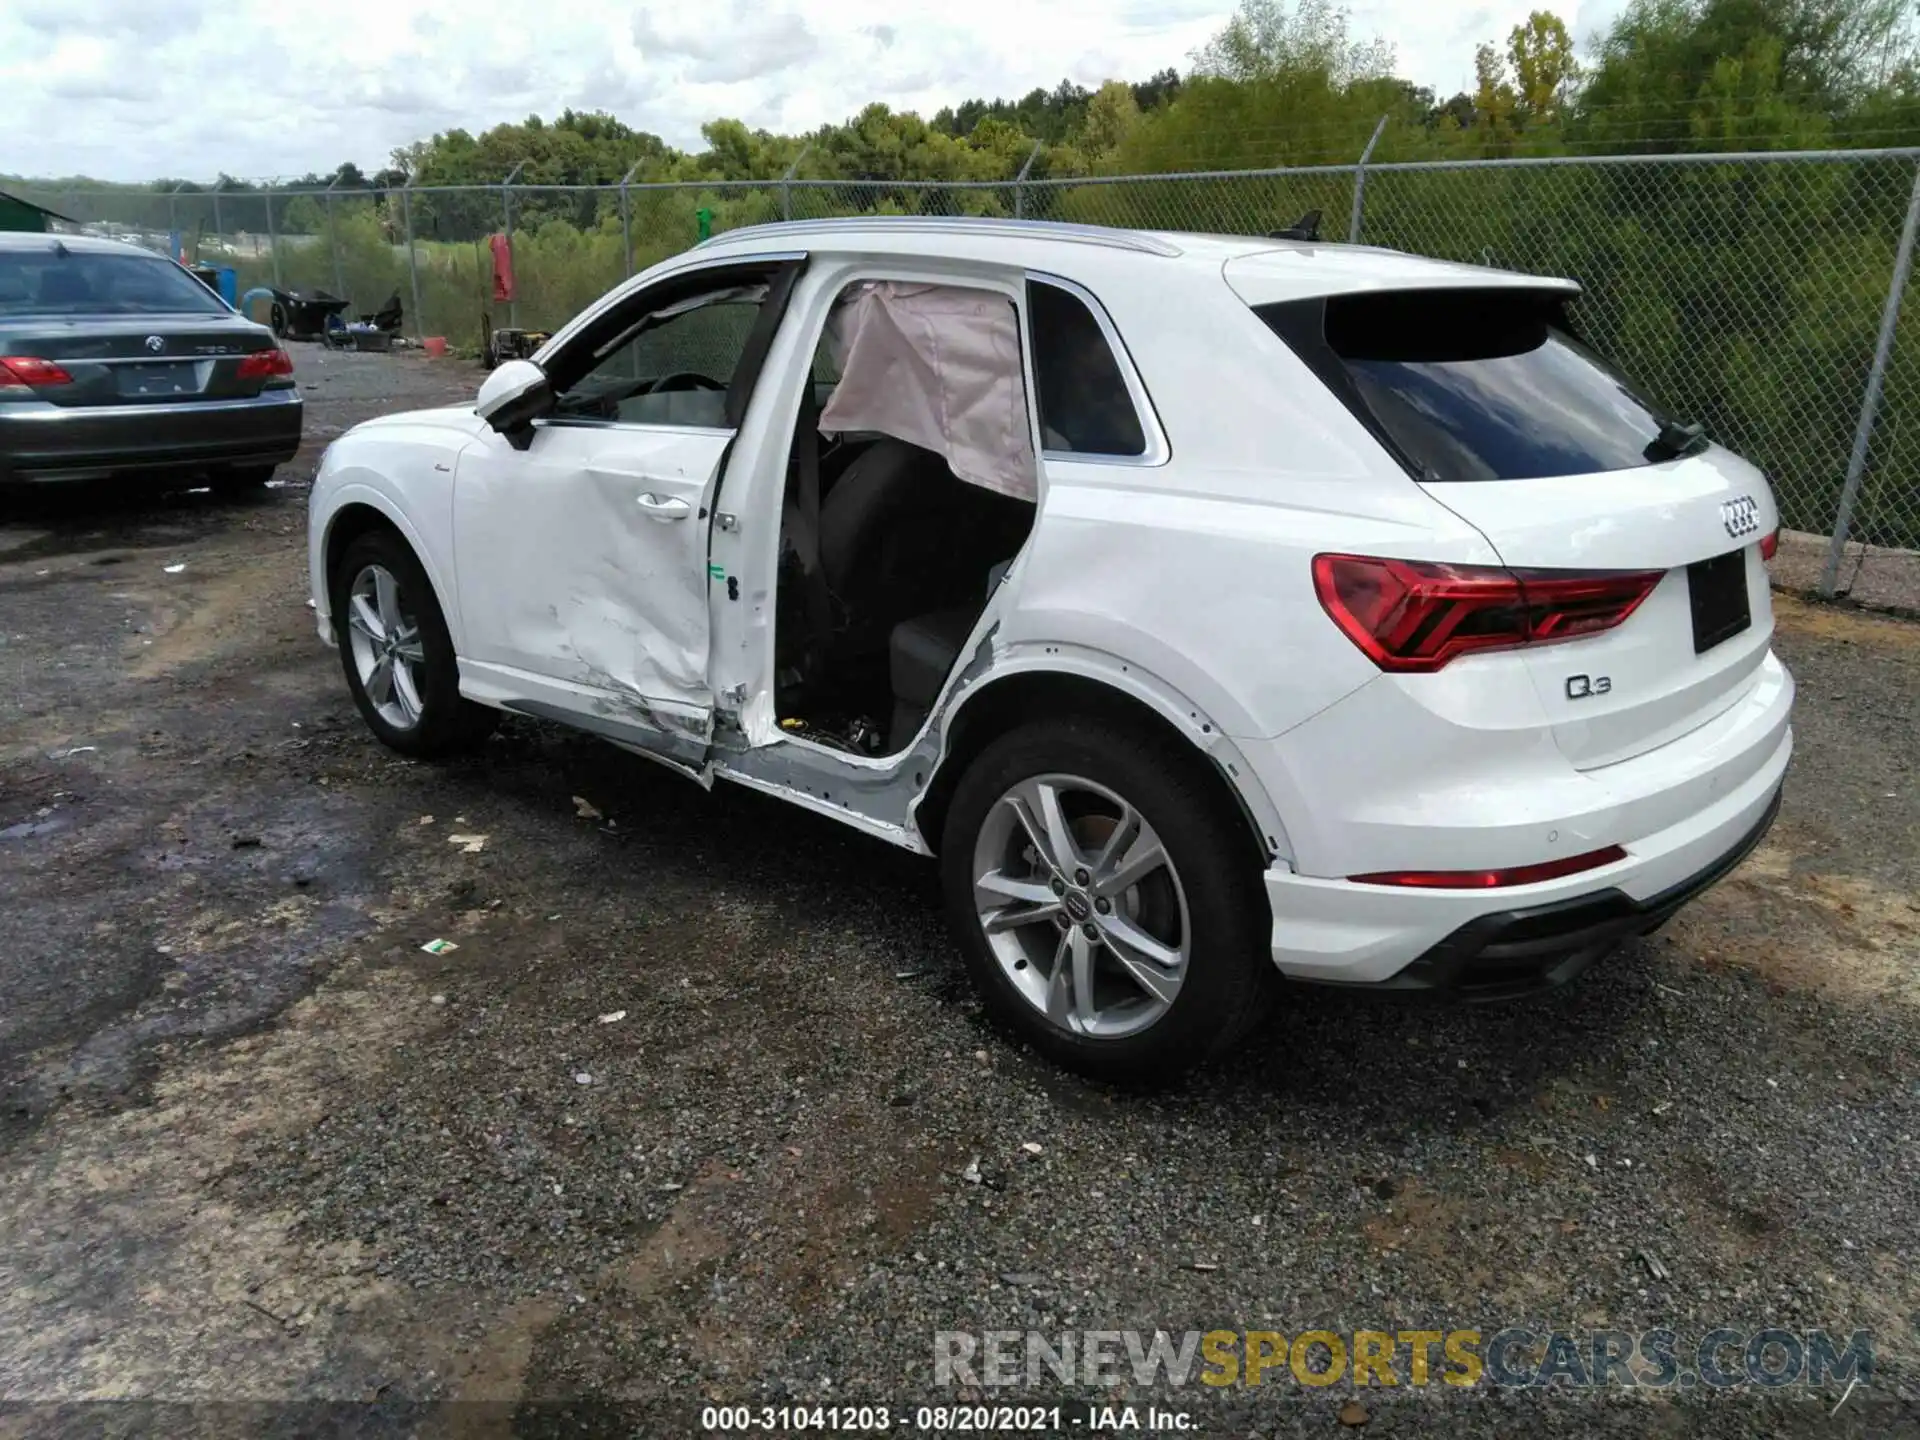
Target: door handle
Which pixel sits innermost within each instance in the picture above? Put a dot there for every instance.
(664, 507)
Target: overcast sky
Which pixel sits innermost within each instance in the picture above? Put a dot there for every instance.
(144, 88)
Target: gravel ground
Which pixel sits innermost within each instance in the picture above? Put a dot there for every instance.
(258, 1150)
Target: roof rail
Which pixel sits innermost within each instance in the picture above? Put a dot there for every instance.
(1135, 240)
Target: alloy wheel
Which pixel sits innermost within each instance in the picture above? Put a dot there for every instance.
(387, 651)
(1081, 906)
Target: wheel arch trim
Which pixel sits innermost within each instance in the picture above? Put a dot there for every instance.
(348, 495)
(1123, 679)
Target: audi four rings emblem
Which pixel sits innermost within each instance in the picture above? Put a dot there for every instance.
(1741, 516)
(156, 344)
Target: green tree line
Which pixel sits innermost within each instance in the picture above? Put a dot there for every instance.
(1744, 296)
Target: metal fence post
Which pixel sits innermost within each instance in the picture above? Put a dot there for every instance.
(173, 220)
(273, 238)
(626, 223)
(413, 260)
(786, 182)
(1360, 182)
(1020, 183)
(1870, 405)
(333, 243)
(217, 230)
(506, 211)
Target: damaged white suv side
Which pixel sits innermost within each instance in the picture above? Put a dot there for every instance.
(1216, 610)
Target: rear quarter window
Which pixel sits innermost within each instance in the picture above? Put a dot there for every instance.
(1472, 384)
(1084, 405)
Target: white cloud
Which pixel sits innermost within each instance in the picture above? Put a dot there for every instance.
(190, 88)
(739, 43)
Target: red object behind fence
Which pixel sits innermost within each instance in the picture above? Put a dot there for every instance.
(502, 267)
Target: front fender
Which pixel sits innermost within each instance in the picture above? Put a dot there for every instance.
(431, 543)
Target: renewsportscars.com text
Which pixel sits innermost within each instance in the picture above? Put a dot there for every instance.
(1723, 1358)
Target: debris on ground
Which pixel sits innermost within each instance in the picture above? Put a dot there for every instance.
(581, 1077)
(1654, 1267)
(613, 1017)
(1354, 1414)
(469, 844)
(175, 569)
(585, 809)
(1032, 1147)
(972, 1173)
(439, 947)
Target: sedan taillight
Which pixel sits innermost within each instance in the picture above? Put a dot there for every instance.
(264, 365)
(30, 370)
(1413, 616)
(1770, 544)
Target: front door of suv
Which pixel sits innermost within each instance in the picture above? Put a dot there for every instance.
(582, 555)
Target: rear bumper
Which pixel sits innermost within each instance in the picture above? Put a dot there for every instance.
(1511, 953)
(1338, 932)
(42, 442)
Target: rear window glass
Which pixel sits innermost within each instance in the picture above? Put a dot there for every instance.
(1473, 384)
(49, 282)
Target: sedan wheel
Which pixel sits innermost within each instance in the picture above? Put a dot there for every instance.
(387, 651)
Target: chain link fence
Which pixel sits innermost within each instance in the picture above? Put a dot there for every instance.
(1757, 294)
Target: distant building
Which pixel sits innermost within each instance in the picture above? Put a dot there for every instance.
(18, 214)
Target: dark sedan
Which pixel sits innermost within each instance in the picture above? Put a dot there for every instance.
(114, 360)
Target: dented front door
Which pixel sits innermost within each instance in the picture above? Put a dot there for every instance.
(583, 574)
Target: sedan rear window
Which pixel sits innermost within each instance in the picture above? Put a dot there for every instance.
(73, 282)
(1473, 384)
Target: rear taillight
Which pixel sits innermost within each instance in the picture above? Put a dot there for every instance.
(265, 364)
(1415, 616)
(1769, 544)
(28, 370)
(1494, 879)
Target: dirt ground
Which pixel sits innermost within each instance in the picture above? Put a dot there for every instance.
(260, 1155)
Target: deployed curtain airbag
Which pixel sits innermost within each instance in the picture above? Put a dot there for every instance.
(937, 366)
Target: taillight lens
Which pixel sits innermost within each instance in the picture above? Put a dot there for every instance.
(1413, 616)
(265, 364)
(29, 370)
(1494, 879)
(1769, 544)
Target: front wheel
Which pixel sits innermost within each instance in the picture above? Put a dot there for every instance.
(396, 651)
(1108, 899)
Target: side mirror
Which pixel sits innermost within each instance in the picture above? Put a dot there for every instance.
(513, 397)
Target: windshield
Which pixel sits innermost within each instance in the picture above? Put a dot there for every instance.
(53, 282)
(1473, 384)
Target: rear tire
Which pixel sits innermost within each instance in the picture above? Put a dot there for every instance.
(1167, 959)
(397, 654)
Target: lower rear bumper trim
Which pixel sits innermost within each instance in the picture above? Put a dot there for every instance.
(1511, 953)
